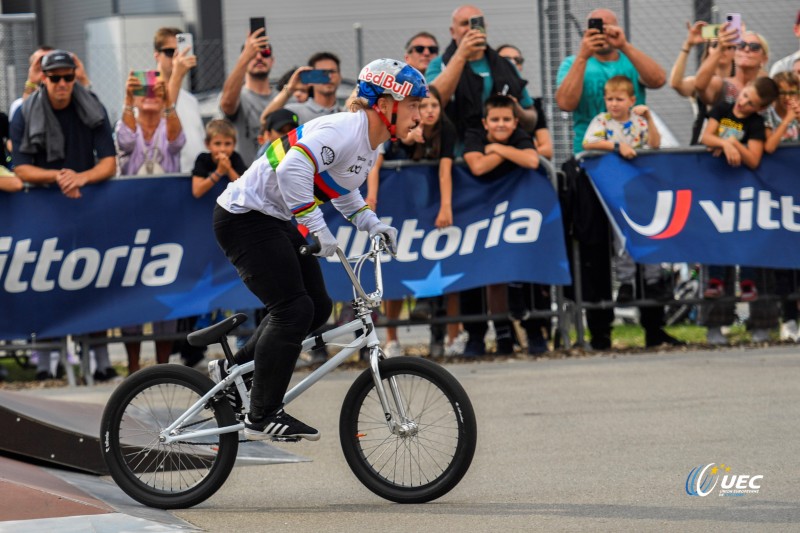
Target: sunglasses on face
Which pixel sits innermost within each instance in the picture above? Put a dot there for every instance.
(519, 60)
(789, 93)
(754, 47)
(169, 52)
(266, 52)
(56, 78)
(420, 49)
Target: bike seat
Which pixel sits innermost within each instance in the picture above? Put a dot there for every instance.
(212, 334)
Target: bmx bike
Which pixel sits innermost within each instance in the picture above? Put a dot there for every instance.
(170, 435)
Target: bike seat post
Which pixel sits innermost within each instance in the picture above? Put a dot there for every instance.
(227, 351)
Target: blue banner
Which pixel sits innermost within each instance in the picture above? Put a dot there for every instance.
(505, 230)
(694, 207)
(138, 250)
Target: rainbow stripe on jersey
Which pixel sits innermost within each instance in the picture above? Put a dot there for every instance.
(325, 187)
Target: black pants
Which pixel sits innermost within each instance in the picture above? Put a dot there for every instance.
(264, 251)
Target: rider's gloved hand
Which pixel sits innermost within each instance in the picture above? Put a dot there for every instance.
(368, 221)
(388, 232)
(327, 242)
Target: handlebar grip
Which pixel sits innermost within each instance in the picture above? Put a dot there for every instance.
(311, 249)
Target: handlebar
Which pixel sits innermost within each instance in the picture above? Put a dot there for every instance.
(379, 245)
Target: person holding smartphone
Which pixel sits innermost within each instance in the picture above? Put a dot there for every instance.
(322, 75)
(604, 52)
(470, 71)
(247, 92)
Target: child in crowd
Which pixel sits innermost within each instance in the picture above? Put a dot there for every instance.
(273, 127)
(782, 122)
(623, 128)
(221, 161)
(491, 153)
(737, 131)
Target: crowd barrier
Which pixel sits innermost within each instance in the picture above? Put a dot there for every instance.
(141, 249)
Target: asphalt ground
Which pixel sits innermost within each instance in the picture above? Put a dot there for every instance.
(596, 443)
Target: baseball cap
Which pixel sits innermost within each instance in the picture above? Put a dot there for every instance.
(280, 118)
(58, 59)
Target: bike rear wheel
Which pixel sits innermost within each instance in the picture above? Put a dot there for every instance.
(175, 475)
(439, 442)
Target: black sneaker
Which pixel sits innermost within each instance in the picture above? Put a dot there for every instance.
(217, 371)
(279, 426)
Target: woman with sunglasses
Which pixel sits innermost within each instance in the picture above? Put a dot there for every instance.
(750, 57)
(685, 85)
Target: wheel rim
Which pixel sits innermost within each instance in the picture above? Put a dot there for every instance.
(166, 468)
(423, 454)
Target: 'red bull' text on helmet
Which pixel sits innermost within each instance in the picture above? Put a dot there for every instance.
(390, 77)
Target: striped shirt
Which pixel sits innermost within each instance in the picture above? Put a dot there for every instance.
(324, 160)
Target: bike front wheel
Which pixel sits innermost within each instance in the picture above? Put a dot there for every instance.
(432, 450)
(184, 472)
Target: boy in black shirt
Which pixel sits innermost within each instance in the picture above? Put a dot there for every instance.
(736, 129)
(501, 146)
(491, 153)
(221, 161)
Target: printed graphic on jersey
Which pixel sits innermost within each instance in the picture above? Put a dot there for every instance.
(328, 155)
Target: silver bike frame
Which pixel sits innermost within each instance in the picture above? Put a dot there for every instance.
(362, 304)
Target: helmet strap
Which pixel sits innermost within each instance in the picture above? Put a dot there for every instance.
(390, 125)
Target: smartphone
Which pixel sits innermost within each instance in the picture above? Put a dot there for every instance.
(258, 22)
(710, 32)
(734, 21)
(476, 23)
(315, 76)
(148, 79)
(185, 40)
(597, 24)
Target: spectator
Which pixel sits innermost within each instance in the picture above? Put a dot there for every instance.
(35, 76)
(59, 131)
(737, 131)
(623, 129)
(9, 182)
(300, 94)
(750, 57)
(173, 66)
(491, 153)
(542, 138)
(466, 89)
(322, 99)
(523, 297)
(782, 125)
(789, 62)
(782, 119)
(274, 126)
(433, 140)
(685, 85)
(220, 163)
(149, 143)
(796, 68)
(247, 92)
(421, 49)
(581, 78)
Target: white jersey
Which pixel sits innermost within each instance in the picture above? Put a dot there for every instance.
(325, 159)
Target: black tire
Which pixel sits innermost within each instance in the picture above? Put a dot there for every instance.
(431, 461)
(166, 476)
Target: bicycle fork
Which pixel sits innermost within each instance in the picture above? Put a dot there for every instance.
(402, 427)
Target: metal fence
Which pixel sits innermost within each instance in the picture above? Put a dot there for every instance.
(17, 41)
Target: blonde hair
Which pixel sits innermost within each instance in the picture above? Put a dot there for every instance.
(620, 83)
(788, 77)
(220, 126)
(761, 39)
